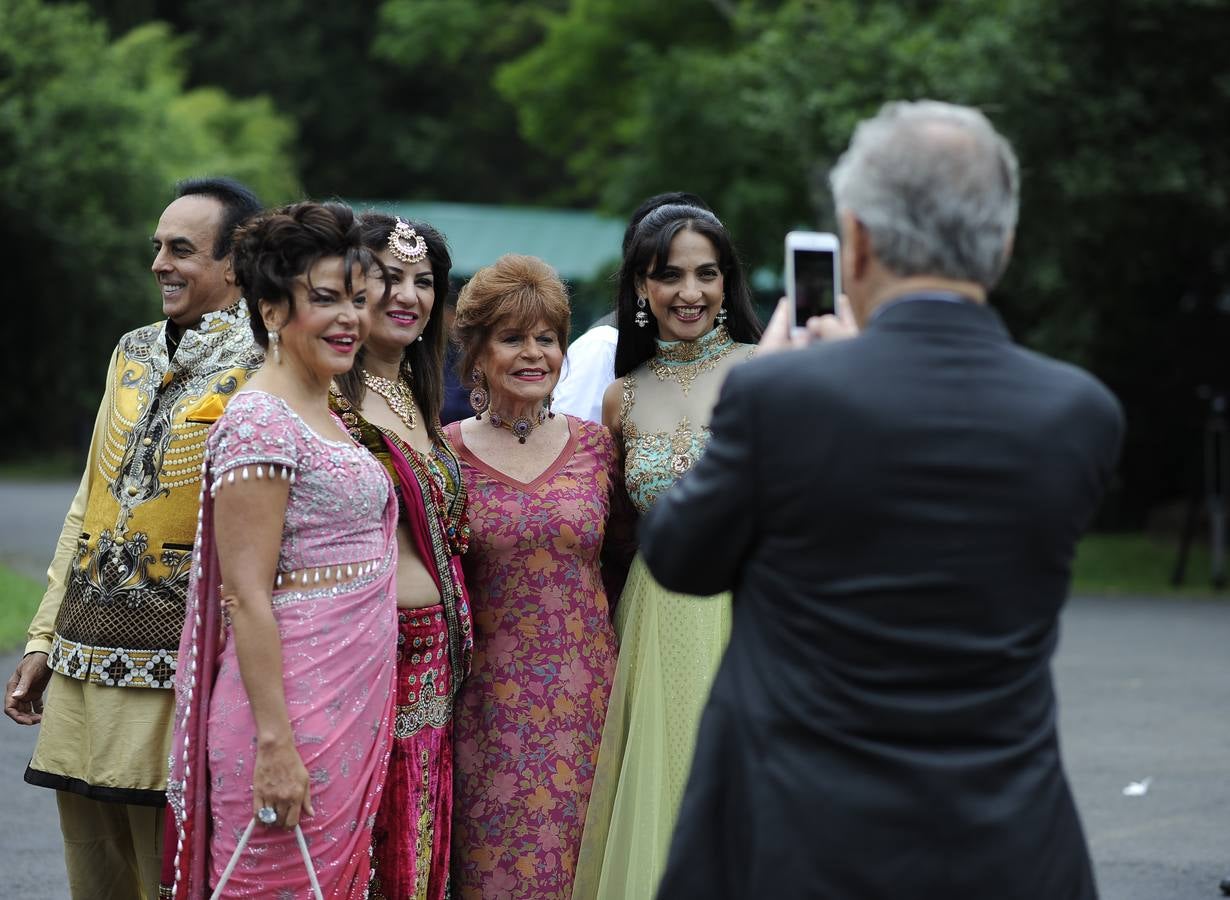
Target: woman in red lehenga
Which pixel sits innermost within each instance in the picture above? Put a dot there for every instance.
(390, 401)
(284, 695)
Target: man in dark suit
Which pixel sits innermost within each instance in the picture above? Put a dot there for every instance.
(896, 514)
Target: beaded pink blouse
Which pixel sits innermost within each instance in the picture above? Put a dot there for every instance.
(262, 437)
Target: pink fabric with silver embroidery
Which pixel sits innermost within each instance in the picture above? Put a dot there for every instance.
(324, 525)
(338, 643)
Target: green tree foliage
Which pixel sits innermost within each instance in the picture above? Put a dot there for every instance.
(1122, 254)
(451, 135)
(747, 104)
(393, 98)
(94, 133)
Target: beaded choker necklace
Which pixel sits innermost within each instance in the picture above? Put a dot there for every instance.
(683, 361)
(395, 393)
(520, 426)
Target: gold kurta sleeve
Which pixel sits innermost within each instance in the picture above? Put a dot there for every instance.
(42, 627)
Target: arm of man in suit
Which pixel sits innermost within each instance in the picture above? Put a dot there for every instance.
(697, 535)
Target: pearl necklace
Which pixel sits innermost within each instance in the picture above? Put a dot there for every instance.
(396, 394)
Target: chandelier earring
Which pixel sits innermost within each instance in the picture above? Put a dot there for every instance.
(275, 345)
(641, 318)
(720, 318)
(479, 398)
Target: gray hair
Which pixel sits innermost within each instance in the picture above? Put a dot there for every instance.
(936, 187)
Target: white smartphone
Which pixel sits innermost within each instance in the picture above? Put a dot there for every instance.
(813, 274)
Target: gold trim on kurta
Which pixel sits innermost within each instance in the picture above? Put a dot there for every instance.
(123, 607)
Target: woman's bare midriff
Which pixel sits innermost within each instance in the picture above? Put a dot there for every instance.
(415, 586)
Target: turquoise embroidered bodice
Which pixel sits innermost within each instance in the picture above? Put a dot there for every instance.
(654, 458)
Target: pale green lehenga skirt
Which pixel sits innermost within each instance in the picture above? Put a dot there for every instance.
(669, 648)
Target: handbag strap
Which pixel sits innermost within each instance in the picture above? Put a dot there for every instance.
(243, 842)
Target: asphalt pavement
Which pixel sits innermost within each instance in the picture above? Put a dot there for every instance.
(31, 513)
(1143, 685)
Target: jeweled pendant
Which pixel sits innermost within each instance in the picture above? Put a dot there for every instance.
(521, 427)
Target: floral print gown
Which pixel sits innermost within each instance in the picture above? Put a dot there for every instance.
(529, 718)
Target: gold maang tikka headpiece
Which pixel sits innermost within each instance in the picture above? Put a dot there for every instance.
(407, 244)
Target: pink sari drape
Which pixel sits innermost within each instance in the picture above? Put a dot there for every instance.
(338, 661)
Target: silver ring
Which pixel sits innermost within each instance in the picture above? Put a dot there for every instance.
(267, 814)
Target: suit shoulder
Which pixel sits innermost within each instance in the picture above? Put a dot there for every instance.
(790, 365)
(1068, 375)
(1078, 388)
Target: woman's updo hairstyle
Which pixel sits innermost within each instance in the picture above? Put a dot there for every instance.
(515, 291)
(276, 247)
(647, 255)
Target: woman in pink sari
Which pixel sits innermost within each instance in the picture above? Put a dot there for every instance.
(390, 402)
(284, 699)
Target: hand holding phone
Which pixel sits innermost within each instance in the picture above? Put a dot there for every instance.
(813, 274)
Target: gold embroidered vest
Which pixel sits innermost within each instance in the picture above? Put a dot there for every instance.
(123, 608)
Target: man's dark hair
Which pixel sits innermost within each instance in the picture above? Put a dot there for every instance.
(670, 198)
(238, 205)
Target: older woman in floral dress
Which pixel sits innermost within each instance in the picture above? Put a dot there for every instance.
(529, 719)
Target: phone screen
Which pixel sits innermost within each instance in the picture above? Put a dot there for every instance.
(813, 284)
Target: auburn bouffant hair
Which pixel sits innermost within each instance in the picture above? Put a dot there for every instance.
(514, 291)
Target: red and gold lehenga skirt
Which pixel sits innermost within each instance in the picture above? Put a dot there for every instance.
(410, 842)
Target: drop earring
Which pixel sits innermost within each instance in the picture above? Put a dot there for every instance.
(720, 318)
(275, 344)
(641, 318)
(479, 399)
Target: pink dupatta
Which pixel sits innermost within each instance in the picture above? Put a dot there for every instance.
(186, 827)
(442, 563)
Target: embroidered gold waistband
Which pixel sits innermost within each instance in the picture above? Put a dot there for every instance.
(112, 666)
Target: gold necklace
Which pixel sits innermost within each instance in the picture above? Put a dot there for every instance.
(683, 361)
(521, 426)
(396, 394)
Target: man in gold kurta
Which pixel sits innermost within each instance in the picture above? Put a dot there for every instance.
(104, 640)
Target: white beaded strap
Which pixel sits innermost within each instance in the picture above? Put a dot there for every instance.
(243, 842)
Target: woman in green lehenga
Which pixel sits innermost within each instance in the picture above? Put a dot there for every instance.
(685, 318)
